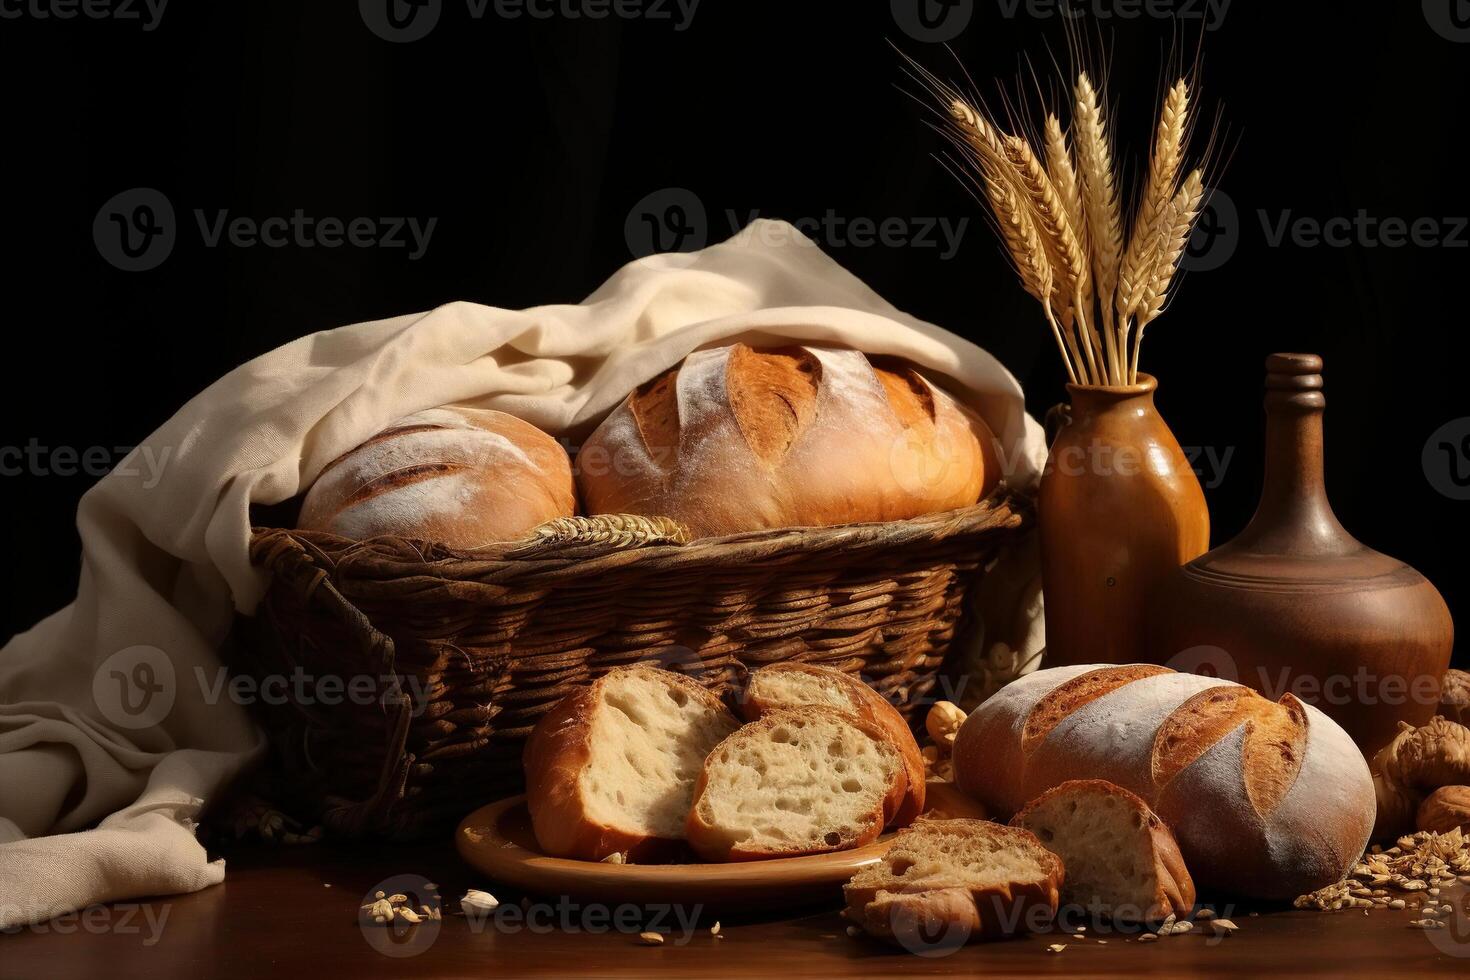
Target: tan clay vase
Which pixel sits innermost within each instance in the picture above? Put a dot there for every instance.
(1296, 604)
(1120, 510)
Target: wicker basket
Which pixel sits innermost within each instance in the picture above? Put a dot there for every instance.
(446, 659)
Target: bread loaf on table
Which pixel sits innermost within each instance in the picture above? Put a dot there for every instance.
(461, 477)
(1267, 800)
(737, 439)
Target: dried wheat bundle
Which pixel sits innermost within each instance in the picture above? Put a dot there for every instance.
(1059, 214)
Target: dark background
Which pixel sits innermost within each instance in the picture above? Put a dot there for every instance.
(532, 139)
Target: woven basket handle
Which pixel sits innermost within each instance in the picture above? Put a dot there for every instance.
(586, 537)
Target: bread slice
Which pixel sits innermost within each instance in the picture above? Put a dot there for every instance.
(947, 882)
(612, 767)
(1121, 860)
(793, 685)
(796, 782)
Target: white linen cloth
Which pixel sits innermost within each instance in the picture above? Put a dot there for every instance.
(113, 735)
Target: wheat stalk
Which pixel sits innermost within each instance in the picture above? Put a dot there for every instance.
(1069, 262)
(1027, 250)
(1059, 215)
(1134, 274)
(1100, 203)
(1064, 178)
(1178, 222)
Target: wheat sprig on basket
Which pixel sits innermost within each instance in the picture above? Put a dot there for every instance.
(1060, 217)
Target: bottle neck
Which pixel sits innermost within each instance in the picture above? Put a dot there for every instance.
(1294, 516)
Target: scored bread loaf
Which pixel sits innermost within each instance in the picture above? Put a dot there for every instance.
(946, 882)
(1121, 859)
(612, 767)
(462, 477)
(1267, 799)
(737, 439)
(791, 685)
(799, 781)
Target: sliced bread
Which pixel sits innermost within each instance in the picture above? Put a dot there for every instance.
(796, 782)
(947, 882)
(612, 768)
(793, 685)
(1121, 860)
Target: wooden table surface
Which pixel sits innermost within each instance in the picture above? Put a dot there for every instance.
(293, 911)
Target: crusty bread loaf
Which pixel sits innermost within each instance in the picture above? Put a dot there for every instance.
(612, 767)
(799, 781)
(945, 882)
(461, 477)
(791, 685)
(737, 439)
(1121, 860)
(1267, 800)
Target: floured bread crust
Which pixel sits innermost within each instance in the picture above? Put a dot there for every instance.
(1269, 800)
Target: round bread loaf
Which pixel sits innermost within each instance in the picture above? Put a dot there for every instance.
(462, 477)
(737, 439)
(1267, 799)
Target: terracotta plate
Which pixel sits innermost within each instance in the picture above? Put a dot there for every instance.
(497, 840)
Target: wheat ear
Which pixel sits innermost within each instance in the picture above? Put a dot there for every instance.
(1026, 248)
(1104, 218)
(1063, 176)
(1049, 216)
(1135, 273)
(1178, 222)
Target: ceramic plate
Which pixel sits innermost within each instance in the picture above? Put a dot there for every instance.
(498, 841)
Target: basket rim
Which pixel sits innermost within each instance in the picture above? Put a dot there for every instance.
(1005, 508)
